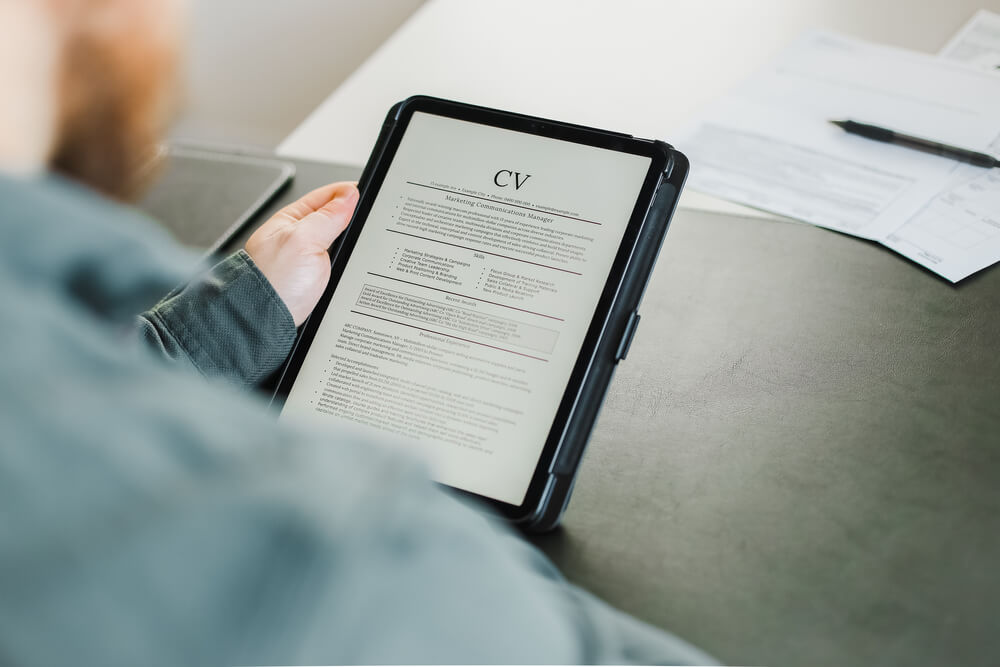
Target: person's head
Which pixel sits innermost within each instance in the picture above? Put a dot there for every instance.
(87, 86)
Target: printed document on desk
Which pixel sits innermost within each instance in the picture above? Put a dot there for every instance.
(958, 230)
(977, 43)
(769, 144)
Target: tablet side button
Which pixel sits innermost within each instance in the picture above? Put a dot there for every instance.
(627, 336)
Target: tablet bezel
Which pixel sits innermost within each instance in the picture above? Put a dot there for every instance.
(371, 183)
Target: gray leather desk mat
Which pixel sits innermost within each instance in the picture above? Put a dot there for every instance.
(799, 462)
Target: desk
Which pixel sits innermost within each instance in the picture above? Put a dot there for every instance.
(799, 462)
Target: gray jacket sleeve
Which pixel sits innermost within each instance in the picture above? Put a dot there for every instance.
(228, 323)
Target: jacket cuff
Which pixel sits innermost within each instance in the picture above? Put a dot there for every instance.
(229, 322)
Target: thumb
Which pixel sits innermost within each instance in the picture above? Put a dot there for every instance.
(325, 224)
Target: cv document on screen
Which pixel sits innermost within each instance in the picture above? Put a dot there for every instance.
(462, 309)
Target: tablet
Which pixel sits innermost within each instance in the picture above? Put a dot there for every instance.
(483, 293)
(205, 197)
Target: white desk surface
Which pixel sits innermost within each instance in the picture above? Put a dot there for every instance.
(637, 66)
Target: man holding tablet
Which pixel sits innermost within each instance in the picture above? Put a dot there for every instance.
(148, 516)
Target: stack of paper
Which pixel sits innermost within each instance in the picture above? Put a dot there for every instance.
(769, 145)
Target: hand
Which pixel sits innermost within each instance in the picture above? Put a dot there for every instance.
(290, 249)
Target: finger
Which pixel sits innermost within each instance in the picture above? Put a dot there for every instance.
(325, 224)
(316, 199)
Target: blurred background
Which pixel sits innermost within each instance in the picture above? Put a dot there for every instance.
(239, 48)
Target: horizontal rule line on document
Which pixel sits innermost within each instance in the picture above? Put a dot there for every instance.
(485, 252)
(503, 203)
(466, 296)
(466, 340)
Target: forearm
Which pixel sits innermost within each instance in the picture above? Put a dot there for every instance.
(227, 323)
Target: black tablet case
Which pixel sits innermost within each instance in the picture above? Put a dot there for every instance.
(616, 335)
(619, 329)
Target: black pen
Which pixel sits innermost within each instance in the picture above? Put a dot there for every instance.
(916, 143)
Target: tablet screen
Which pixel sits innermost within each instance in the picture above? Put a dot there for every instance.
(462, 309)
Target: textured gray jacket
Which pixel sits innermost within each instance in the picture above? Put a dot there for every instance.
(149, 516)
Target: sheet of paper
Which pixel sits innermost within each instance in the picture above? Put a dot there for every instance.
(956, 233)
(768, 144)
(763, 157)
(977, 43)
